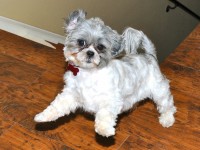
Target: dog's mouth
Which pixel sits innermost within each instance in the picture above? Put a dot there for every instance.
(88, 61)
(82, 60)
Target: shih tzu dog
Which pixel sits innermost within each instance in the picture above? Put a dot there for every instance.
(111, 75)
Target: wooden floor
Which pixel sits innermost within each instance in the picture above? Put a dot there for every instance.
(31, 76)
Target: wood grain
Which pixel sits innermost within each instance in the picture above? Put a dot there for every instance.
(31, 75)
(182, 78)
(18, 137)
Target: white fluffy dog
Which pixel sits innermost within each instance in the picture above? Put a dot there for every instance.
(112, 76)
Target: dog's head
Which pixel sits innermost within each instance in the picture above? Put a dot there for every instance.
(89, 43)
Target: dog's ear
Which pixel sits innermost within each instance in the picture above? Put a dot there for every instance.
(73, 19)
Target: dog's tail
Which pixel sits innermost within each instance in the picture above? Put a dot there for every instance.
(134, 39)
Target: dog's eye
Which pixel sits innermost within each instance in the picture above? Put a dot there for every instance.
(100, 47)
(81, 42)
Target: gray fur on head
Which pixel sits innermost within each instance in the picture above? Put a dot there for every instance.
(93, 32)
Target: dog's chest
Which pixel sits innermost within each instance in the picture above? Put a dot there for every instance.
(94, 82)
(94, 88)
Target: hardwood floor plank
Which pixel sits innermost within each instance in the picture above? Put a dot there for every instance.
(14, 111)
(182, 78)
(5, 124)
(181, 57)
(20, 138)
(15, 71)
(32, 53)
(15, 100)
(48, 85)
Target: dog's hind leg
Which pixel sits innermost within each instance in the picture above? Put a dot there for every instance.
(165, 104)
(63, 104)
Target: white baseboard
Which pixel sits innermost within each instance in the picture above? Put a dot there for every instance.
(30, 32)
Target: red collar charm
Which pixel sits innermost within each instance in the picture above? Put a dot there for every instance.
(73, 69)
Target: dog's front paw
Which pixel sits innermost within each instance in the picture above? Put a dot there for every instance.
(105, 129)
(40, 118)
(45, 117)
(167, 119)
(49, 114)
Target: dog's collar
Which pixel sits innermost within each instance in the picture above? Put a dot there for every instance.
(73, 69)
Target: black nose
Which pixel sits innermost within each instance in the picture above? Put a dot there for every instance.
(90, 53)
